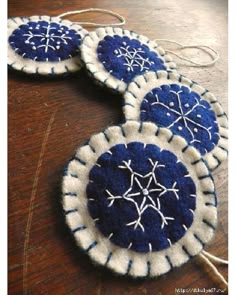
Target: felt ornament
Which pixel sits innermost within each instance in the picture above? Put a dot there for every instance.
(48, 45)
(171, 100)
(44, 45)
(114, 56)
(139, 199)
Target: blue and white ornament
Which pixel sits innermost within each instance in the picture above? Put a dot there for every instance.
(139, 200)
(171, 100)
(44, 45)
(114, 56)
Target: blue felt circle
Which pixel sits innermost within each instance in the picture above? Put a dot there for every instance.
(45, 41)
(184, 112)
(124, 58)
(141, 197)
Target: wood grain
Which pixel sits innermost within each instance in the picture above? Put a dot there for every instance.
(50, 118)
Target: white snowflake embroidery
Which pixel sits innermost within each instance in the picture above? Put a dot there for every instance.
(184, 115)
(48, 38)
(144, 192)
(133, 58)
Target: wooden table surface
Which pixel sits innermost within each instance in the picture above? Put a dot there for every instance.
(49, 118)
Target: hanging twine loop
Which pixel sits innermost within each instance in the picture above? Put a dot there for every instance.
(93, 24)
(209, 259)
(214, 54)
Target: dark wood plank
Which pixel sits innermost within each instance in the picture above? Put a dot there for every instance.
(48, 119)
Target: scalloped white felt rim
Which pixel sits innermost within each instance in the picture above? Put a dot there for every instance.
(143, 84)
(126, 261)
(29, 66)
(96, 68)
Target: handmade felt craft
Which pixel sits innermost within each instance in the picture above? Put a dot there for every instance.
(44, 45)
(139, 199)
(114, 56)
(171, 100)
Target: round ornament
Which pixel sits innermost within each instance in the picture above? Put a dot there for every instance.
(44, 45)
(139, 200)
(173, 101)
(114, 56)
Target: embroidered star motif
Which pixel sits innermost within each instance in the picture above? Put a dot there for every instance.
(50, 37)
(149, 198)
(183, 114)
(133, 58)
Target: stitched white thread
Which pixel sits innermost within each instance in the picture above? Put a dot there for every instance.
(150, 247)
(47, 37)
(144, 192)
(133, 58)
(184, 115)
(169, 241)
(185, 227)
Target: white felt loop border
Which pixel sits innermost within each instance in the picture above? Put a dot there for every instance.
(95, 67)
(29, 66)
(99, 248)
(143, 84)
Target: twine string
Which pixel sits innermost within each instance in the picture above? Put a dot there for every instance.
(214, 53)
(207, 258)
(214, 258)
(94, 24)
